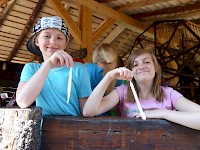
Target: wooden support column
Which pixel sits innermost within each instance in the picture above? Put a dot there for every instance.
(20, 128)
(85, 26)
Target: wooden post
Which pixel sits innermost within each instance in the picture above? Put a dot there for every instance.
(20, 128)
(68, 132)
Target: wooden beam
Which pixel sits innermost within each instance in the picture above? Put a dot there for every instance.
(85, 25)
(95, 6)
(178, 9)
(6, 10)
(173, 16)
(124, 40)
(3, 2)
(26, 29)
(60, 9)
(102, 29)
(33, 57)
(139, 4)
(114, 34)
(104, 1)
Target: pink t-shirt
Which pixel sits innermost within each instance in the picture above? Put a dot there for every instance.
(128, 108)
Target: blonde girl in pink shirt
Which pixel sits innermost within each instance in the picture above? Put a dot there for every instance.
(157, 101)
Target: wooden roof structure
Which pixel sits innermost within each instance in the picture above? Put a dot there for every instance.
(170, 27)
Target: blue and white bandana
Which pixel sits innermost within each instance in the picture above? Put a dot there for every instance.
(51, 22)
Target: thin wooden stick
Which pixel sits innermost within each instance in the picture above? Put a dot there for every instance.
(137, 101)
(69, 85)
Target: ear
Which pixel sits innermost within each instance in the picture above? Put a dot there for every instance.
(36, 41)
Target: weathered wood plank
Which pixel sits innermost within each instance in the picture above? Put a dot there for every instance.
(67, 132)
(20, 128)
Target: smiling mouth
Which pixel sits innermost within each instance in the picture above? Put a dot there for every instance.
(52, 49)
(143, 72)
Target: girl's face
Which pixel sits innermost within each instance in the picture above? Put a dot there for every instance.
(143, 68)
(49, 41)
(102, 64)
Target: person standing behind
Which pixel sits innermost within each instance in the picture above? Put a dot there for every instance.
(105, 58)
(157, 101)
(49, 83)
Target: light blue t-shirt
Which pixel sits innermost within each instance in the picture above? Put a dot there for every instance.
(96, 74)
(53, 96)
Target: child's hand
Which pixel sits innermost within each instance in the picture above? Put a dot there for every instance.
(61, 58)
(155, 113)
(121, 73)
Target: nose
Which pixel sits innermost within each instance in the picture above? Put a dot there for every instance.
(52, 40)
(141, 66)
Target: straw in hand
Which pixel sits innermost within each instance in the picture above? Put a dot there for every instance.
(69, 84)
(137, 101)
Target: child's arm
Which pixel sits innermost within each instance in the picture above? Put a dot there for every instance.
(97, 103)
(188, 113)
(28, 91)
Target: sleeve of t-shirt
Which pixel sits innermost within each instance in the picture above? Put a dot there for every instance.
(122, 90)
(83, 82)
(174, 95)
(27, 72)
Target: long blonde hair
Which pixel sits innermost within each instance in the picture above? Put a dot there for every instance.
(106, 53)
(156, 88)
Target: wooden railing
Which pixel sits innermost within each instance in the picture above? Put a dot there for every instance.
(67, 132)
(165, 32)
(195, 28)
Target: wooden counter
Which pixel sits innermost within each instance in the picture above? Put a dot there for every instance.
(67, 132)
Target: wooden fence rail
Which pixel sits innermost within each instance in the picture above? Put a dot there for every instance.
(67, 132)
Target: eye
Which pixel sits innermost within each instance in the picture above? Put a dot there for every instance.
(60, 38)
(46, 36)
(134, 65)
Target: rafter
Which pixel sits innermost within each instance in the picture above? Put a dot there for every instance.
(6, 10)
(173, 16)
(178, 9)
(105, 1)
(95, 6)
(3, 2)
(114, 34)
(124, 40)
(26, 29)
(102, 29)
(139, 4)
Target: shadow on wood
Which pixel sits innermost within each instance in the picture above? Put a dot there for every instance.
(67, 132)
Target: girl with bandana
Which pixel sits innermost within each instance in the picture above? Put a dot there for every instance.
(58, 85)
